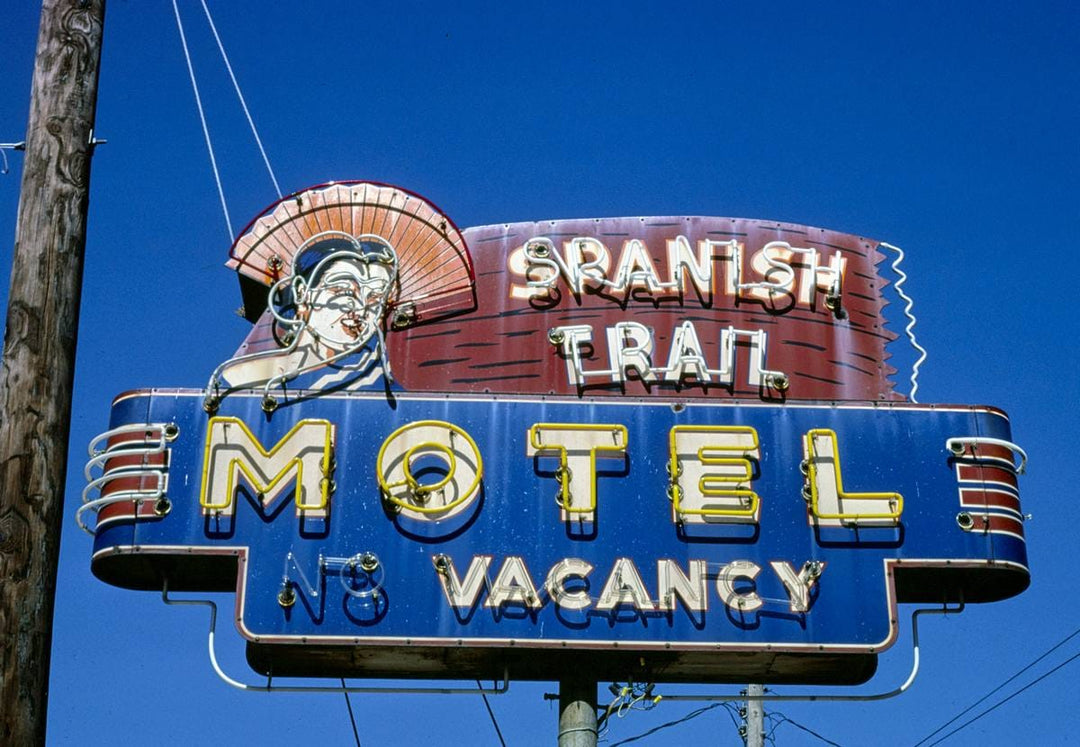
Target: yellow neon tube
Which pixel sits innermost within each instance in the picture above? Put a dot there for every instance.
(410, 482)
(707, 483)
(414, 485)
(894, 499)
(324, 493)
(617, 431)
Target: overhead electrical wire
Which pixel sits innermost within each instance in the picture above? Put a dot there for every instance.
(633, 696)
(202, 113)
(1007, 698)
(352, 718)
(776, 720)
(202, 119)
(734, 714)
(676, 722)
(491, 713)
(781, 719)
(239, 95)
(1030, 664)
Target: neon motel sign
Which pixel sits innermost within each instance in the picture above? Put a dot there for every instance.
(714, 475)
(440, 452)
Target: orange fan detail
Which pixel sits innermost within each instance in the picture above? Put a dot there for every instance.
(435, 275)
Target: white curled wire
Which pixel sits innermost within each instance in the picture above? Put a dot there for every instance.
(910, 328)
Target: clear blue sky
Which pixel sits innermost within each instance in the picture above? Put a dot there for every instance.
(948, 129)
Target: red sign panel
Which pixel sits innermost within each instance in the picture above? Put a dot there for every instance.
(681, 306)
(699, 307)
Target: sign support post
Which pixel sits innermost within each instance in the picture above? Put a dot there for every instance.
(577, 712)
(755, 716)
(39, 353)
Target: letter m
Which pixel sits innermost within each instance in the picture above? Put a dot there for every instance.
(304, 458)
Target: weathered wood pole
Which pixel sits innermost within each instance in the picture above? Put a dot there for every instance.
(38, 364)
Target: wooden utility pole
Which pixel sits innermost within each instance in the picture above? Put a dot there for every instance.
(38, 365)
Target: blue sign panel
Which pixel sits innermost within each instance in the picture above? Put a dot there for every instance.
(458, 533)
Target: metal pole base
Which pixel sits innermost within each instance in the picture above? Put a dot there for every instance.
(577, 713)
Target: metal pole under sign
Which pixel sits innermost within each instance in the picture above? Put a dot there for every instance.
(577, 712)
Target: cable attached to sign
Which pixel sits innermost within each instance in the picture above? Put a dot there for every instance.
(202, 120)
(497, 688)
(945, 609)
(239, 95)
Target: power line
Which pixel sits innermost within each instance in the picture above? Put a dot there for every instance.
(239, 95)
(783, 719)
(771, 718)
(1042, 656)
(687, 717)
(1003, 701)
(491, 713)
(733, 714)
(352, 718)
(202, 119)
(202, 114)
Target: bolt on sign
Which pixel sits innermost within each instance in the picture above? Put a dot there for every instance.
(657, 447)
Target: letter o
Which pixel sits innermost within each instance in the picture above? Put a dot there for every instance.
(445, 442)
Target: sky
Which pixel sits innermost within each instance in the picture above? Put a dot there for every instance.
(948, 129)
